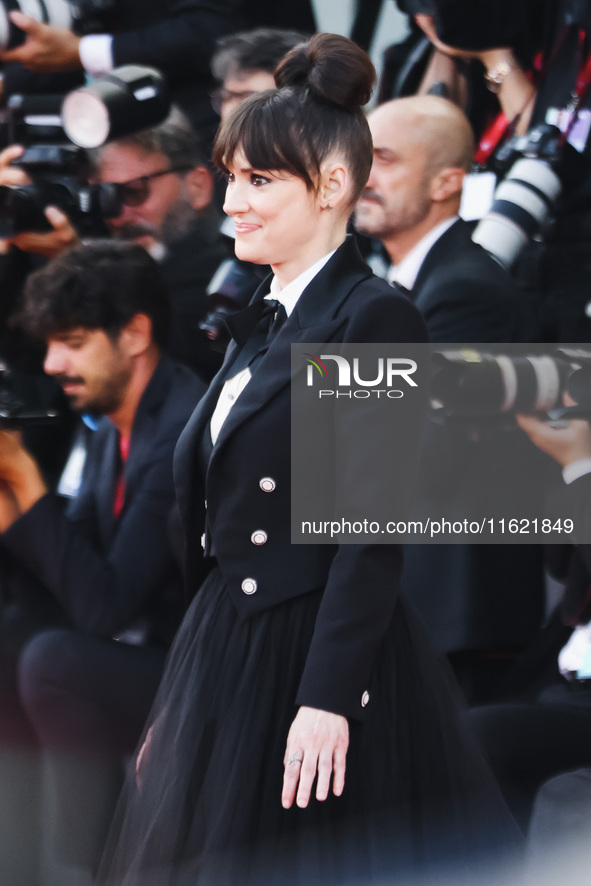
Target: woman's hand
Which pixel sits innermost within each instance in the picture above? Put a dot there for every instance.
(316, 746)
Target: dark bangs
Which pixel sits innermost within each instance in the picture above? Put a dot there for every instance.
(284, 130)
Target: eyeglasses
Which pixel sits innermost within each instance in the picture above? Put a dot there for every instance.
(137, 190)
(221, 96)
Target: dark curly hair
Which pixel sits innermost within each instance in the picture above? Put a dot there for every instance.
(98, 285)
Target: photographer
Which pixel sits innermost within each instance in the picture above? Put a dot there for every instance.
(106, 568)
(177, 39)
(553, 105)
(164, 193)
(545, 728)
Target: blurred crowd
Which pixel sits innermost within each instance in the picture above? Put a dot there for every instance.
(478, 208)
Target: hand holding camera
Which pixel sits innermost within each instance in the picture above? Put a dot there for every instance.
(62, 234)
(46, 48)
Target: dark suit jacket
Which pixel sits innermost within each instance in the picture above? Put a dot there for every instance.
(471, 596)
(465, 296)
(187, 270)
(179, 38)
(344, 302)
(107, 573)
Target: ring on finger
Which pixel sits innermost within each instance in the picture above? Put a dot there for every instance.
(294, 758)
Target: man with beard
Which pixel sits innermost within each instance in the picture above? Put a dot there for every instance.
(423, 147)
(97, 588)
(165, 190)
(480, 602)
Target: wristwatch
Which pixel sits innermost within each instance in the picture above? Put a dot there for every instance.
(495, 77)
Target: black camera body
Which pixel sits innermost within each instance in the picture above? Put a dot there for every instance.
(541, 143)
(127, 100)
(59, 177)
(91, 16)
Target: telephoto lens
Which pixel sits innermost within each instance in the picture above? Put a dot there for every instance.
(51, 12)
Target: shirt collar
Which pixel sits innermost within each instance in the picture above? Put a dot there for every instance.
(406, 272)
(289, 295)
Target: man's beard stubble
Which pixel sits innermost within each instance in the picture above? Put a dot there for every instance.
(175, 225)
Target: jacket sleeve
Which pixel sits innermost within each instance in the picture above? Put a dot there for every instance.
(102, 591)
(364, 579)
(183, 41)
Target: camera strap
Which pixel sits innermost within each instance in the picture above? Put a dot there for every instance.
(493, 135)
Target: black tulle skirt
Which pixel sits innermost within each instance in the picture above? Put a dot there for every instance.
(417, 795)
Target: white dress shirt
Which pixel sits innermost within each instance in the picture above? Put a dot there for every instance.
(96, 54)
(406, 272)
(234, 386)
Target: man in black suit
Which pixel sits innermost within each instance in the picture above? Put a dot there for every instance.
(423, 147)
(104, 573)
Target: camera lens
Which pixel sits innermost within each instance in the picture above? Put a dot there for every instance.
(522, 205)
(52, 12)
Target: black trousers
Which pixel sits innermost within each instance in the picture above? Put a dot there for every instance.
(86, 701)
(527, 744)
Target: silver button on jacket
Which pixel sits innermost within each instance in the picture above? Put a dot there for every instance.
(267, 484)
(258, 537)
(365, 699)
(249, 585)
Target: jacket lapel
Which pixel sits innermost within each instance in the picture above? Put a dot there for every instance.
(314, 319)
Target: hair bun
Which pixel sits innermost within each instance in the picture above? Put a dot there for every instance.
(332, 67)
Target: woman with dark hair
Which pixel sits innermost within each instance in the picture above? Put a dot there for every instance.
(303, 732)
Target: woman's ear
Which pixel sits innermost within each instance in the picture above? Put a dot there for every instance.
(334, 184)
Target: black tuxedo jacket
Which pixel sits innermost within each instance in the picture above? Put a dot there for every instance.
(344, 302)
(465, 296)
(107, 573)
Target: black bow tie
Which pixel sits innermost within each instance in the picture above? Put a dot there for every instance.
(253, 330)
(261, 318)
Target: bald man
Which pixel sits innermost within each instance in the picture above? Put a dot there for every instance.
(423, 148)
(475, 599)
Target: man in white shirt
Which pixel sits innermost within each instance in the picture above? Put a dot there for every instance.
(423, 148)
(474, 599)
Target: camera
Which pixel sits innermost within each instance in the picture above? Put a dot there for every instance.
(231, 288)
(473, 26)
(59, 175)
(80, 16)
(56, 132)
(524, 200)
(17, 402)
(469, 383)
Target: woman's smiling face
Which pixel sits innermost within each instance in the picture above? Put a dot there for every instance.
(277, 218)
